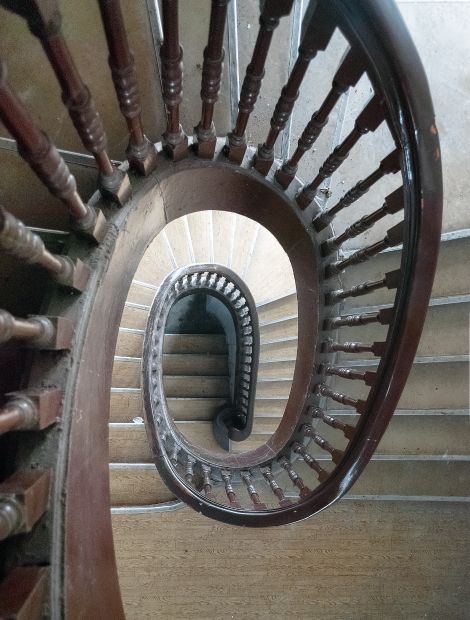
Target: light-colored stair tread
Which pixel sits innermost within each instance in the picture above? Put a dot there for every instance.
(128, 442)
(125, 406)
(127, 372)
(279, 330)
(196, 386)
(140, 483)
(195, 343)
(278, 309)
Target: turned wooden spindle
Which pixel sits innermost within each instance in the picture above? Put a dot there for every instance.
(24, 498)
(295, 478)
(311, 462)
(140, 152)
(39, 332)
(376, 348)
(250, 487)
(22, 243)
(348, 373)
(318, 28)
(348, 430)
(389, 165)
(45, 22)
(207, 481)
(231, 495)
(36, 149)
(189, 473)
(348, 74)
(275, 488)
(211, 78)
(343, 399)
(30, 410)
(391, 280)
(175, 141)
(393, 237)
(393, 203)
(271, 14)
(368, 120)
(384, 317)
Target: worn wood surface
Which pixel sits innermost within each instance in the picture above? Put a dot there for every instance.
(356, 560)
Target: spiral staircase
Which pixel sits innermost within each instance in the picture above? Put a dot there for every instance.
(324, 257)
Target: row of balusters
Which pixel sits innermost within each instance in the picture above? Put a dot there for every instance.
(43, 157)
(202, 477)
(55, 333)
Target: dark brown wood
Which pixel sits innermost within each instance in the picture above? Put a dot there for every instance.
(390, 281)
(377, 348)
(348, 430)
(393, 237)
(39, 332)
(25, 245)
(368, 120)
(295, 478)
(349, 373)
(324, 390)
(31, 410)
(384, 317)
(35, 147)
(311, 462)
(336, 455)
(141, 152)
(275, 488)
(318, 28)
(24, 498)
(392, 204)
(23, 593)
(231, 495)
(250, 487)
(211, 78)
(175, 141)
(389, 165)
(45, 22)
(271, 14)
(348, 74)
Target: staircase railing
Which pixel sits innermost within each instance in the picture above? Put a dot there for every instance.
(67, 344)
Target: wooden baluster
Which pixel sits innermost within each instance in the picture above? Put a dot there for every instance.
(348, 74)
(336, 455)
(175, 141)
(376, 348)
(24, 498)
(318, 27)
(45, 22)
(207, 481)
(31, 410)
(348, 430)
(393, 237)
(211, 78)
(343, 399)
(189, 474)
(275, 488)
(174, 454)
(232, 497)
(39, 332)
(250, 487)
(391, 280)
(389, 165)
(35, 147)
(20, 242)
(384, 317)
(24, 592)
(368, 120)
(141, 152)
(271, 14)
(294, 477)
(392, 204)
(311, 462)
(349, 373)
